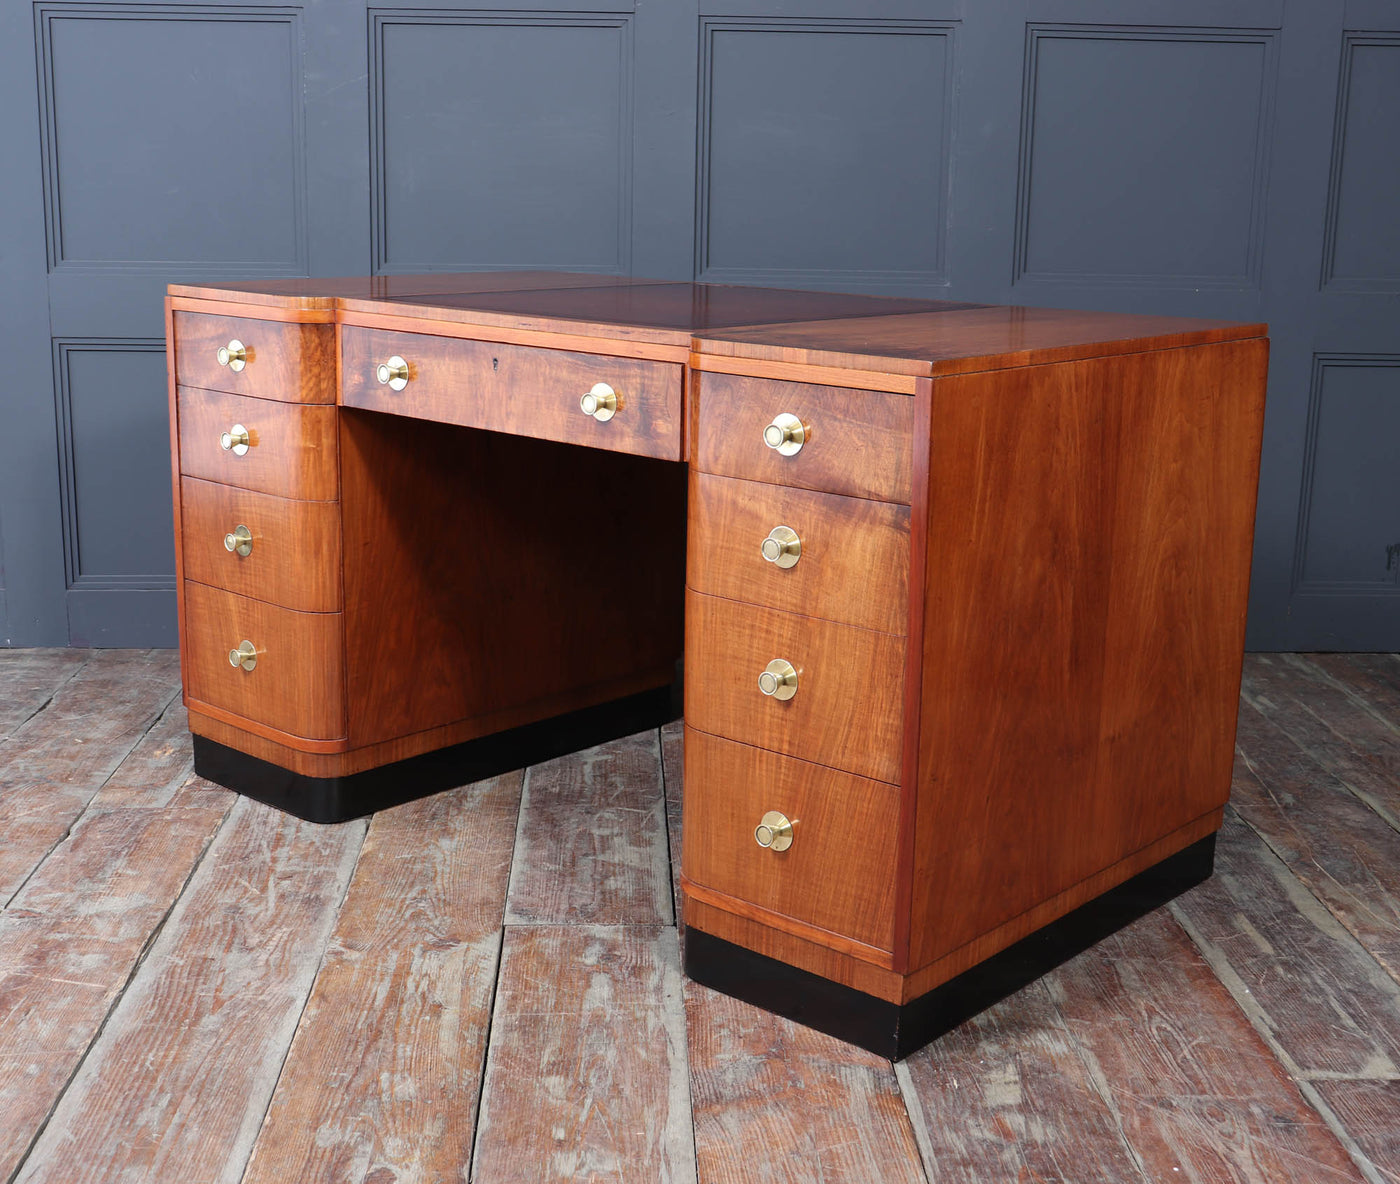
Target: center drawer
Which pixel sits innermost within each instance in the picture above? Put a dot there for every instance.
(517, 389)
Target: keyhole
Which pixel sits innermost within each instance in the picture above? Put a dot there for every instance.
(495, 363)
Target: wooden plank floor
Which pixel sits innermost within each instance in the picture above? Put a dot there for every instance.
(485, 984)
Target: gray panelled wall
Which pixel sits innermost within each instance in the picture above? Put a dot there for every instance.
(1222, 158)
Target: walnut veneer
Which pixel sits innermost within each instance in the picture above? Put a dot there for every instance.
(1014, 622)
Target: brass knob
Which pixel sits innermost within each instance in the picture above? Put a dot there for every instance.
(782, 546)
(600, 402)
(774, 832)
(239, 540)
(393, 373)
(246, 655)
(234, 355)
(779, 679)
(235, 440)
(785, 435)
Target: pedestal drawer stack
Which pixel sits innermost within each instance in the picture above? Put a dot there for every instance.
(796, 624)
(260, 524)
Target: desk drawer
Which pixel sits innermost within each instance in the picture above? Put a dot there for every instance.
(281, 360)
(839, 872)
(850, 560)
(297, 684)
(854, 442)
(291, 449)
(517, 389)
(293, 548)
(848, 704)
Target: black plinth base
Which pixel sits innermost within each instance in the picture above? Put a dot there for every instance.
(336, 799)
(893, 1030)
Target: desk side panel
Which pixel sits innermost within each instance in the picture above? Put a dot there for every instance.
(1087, 572)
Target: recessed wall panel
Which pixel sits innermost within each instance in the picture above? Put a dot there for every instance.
(1143, 156)
(1363, 231)
(1349, 525)
(172, 138)
(114, 455)
(823, 151)
(501, 141)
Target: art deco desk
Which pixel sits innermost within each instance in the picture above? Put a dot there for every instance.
(961, 593)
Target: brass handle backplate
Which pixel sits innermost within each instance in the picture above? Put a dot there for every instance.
(782, 547)
(240, 541)
(779, 679)
(246, 655)
(235, 440)
(774, 832)
(785, 435)
(393, 373)
(234, 355)
(600, 402)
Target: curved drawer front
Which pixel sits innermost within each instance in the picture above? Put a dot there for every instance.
(846, 710)
(297, 682)
(279, 359)
(853, 442)
(283, 551)
(291, 449)
(842, 558)
(517, 389)
(838, 873)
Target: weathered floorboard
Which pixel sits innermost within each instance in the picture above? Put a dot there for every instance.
(1293, 968)
(1372, 678)
(159, 771)
(776, 1102)
(591, 846)
(1198, 1094)
(1346, 855)
(1007, 1096)
(34, 818)
(69, 943)
(1331, 725)
(383, 1077)
(672, 769)
(177, 1085)
(586, 1076)
(1370, 1111)
(30, 678)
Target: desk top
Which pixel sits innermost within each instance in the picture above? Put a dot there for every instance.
(894, 335)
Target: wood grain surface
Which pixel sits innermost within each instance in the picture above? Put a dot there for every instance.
(382, 1079)
(838, 874)
(850, 685)
(291, 450)
(31, 678)
(539, 576)
(591, 848)
(298, 684)
(858, 442)
(79, 927)
(1331, 840)
(1087, 577)
(291, 362)
(586, 1081)
(1008, 1096)
(139, 1042)
(1200, 1097)
(516, 389)
(965, 341)
(295, 560)
(776, 1102)
(1309, 986)
(177, 1086)
(854, 565)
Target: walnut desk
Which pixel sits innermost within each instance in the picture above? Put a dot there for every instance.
(961, 592)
